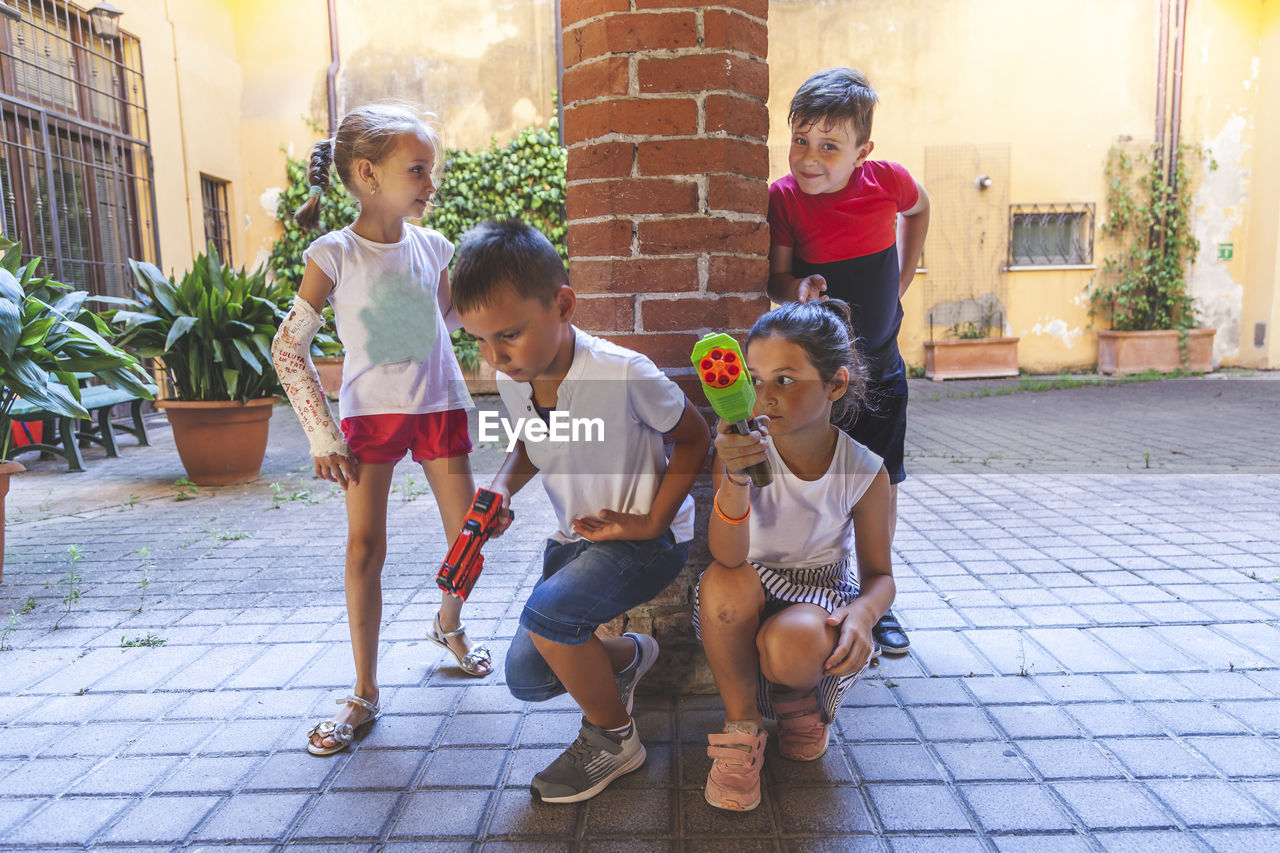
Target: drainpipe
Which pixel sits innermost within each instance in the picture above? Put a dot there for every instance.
(557, 27)
(335, 61)
(1175, 118)
(1162, 73)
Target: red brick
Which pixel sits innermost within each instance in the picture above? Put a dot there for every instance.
(600, 160)
(736, 193)
(642, 116)
(702, 72)
(758, 8)
(635, 275)
(737, 115)
(606, 314)
(622, 196)
(630, 33)
(681, 235)
(725, 313)
(701, 156)
(737, 274)
(599, 239)
(606, 76)
(666, 350)
(572, 11)
(734, 31)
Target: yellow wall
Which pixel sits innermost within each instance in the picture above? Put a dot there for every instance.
(1060, 83)
(249, 78)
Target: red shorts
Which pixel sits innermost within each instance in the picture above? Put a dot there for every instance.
(377, 439)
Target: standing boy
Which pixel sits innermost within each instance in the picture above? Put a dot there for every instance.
(624, 511)
(835, 232)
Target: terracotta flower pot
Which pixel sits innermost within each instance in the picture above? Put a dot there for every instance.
(220, 442)
(330, 370)
(1137, 352)
(971, 358)
(6, 468)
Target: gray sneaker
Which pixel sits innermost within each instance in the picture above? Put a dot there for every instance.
(628, 679)
(583, 770)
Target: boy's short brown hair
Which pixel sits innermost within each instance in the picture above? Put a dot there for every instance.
(501, 254)
(833, 95)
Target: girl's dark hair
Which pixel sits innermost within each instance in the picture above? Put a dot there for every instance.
(369, 132)
(824, 331)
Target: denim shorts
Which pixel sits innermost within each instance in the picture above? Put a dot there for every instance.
(584, 585)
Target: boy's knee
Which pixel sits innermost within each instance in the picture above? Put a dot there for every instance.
(529, 679)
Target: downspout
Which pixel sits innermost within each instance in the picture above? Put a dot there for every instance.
(335, 62)
(1175, 118)
(182, 131)
(1162, 73)
(557, 26)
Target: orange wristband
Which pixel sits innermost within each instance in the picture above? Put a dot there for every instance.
(715, 503)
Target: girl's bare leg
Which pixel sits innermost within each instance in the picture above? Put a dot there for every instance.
(793, 644)
(730, 602)
(366, 552)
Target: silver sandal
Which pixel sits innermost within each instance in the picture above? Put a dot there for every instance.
(343, 733)
(473, 660)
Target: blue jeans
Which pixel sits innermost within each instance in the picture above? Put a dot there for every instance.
(583, 585)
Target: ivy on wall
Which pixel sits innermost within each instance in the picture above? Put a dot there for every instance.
(1149, 218)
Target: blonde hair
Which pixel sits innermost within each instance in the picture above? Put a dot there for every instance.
(368, 132)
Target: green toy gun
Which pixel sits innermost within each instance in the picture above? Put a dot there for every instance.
(727, 384)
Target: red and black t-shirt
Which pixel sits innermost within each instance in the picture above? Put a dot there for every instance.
(849, 237)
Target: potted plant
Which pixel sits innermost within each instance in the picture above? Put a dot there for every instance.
(974, 348)
(1143, 296)
(213, 331)
(47, 336)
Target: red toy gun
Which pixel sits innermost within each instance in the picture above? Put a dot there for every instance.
(464, 562)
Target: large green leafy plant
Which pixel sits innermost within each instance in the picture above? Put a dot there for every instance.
(213, 329)
(47, 336)
(1144, 282)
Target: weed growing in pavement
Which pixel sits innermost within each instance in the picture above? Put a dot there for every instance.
(186, 489)
(1024, 669)
(28, 605)
(1146, 458)
(150, 641)
(146, 564)
(15, 619)
(991, 456)
(73, 579)
(225, 535)
(129, 502)
(412, 490)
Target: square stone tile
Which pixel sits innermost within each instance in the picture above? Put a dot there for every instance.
(1240, 756)
(1140, 842)
(379, 768)
(1069, 758)
(954, 723)
(824, 809)
(125, 776)
(160, 819)
(1015, 808)
(214, 774)
(896, 762)
(349, 815)
(1105, 804)
(253, 817)
(428, 814)
(1242, 840)
(917, 807)
(1034, 721)
(982, 760)
(1208, 802)
(519, 815)
(631, 812)
(70, 821)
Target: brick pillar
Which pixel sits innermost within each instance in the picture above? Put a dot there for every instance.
(666, 124)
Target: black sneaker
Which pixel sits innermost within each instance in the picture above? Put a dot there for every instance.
(586, 768)
(890, 636)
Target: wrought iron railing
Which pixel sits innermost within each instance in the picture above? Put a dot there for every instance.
(76, 181)
(1050, 235)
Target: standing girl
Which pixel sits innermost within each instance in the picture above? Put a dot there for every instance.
(784, 619)
(402, 389)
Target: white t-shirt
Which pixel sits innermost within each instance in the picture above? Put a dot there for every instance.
(804, 524)
(621, 404)
(386, 309)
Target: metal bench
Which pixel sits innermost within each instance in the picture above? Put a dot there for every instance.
(64, 436)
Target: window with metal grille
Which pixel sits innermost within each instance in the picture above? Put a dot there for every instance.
(1050, 235)
(75, 155)
(217, 225)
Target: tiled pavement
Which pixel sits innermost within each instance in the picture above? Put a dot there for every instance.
(1091, 576)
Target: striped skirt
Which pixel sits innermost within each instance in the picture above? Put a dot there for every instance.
(829, 587)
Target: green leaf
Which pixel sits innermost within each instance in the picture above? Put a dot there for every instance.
(180, 327)
(10, 326)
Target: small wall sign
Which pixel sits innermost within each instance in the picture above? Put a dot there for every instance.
(1226, 251)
